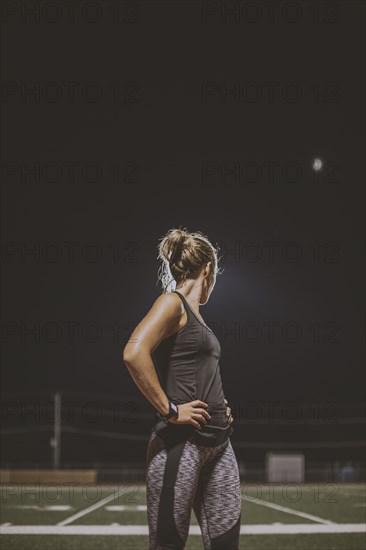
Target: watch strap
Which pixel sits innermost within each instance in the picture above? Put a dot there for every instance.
(173, 411)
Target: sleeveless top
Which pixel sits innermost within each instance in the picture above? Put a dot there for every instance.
(187, 364)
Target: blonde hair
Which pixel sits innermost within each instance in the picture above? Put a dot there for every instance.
(183, 254)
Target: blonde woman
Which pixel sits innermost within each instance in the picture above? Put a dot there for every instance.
(173, 357)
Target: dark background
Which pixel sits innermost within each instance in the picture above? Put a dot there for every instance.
(161, 132)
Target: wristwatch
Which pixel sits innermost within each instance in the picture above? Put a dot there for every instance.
(173, 411)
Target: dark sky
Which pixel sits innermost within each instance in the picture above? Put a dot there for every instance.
(162, 116)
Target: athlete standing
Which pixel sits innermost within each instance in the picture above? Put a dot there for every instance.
(173, 357)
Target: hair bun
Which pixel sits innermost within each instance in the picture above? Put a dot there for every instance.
(183, 254)
(177, 240)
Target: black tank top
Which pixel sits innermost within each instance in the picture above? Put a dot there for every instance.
(187, 364)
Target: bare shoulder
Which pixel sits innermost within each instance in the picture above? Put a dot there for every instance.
(161, 321)
(168, 298)
(168, 305)
(163, 318)
(165, 315)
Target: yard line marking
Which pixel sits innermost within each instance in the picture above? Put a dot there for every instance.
(51, 508)
(56, 508)
(125, 507)
(24, 506)
(91, 508)
(288, 510)
(289, 529)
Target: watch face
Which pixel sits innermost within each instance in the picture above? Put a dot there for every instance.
(174, 407)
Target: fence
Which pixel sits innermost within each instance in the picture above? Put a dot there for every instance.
(109, 434)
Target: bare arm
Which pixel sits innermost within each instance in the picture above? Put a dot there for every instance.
(160, 322)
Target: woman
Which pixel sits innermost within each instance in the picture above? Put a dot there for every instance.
(174, 359)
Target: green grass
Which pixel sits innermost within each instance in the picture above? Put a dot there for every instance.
(250, 542)
(336, 503)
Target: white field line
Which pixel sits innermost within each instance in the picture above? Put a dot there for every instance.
(288, 510)
(142, 508)
(90, 509)
(128, 508)
(51, 508)
(275, 529)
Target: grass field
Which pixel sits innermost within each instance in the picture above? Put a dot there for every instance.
(96, 517)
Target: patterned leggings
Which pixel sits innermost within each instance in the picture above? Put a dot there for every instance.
(188, 475)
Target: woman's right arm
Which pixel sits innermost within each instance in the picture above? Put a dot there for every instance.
(161, 321)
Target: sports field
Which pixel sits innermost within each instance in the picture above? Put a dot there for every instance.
(93, 516)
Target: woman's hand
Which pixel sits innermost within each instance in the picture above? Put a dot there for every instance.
(230, 419)
(189, 413)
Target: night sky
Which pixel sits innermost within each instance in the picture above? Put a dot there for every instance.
(180, 117)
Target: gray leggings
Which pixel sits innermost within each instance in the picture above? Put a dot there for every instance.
(185, 476)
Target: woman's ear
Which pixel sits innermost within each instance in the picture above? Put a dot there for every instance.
(208, 274)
